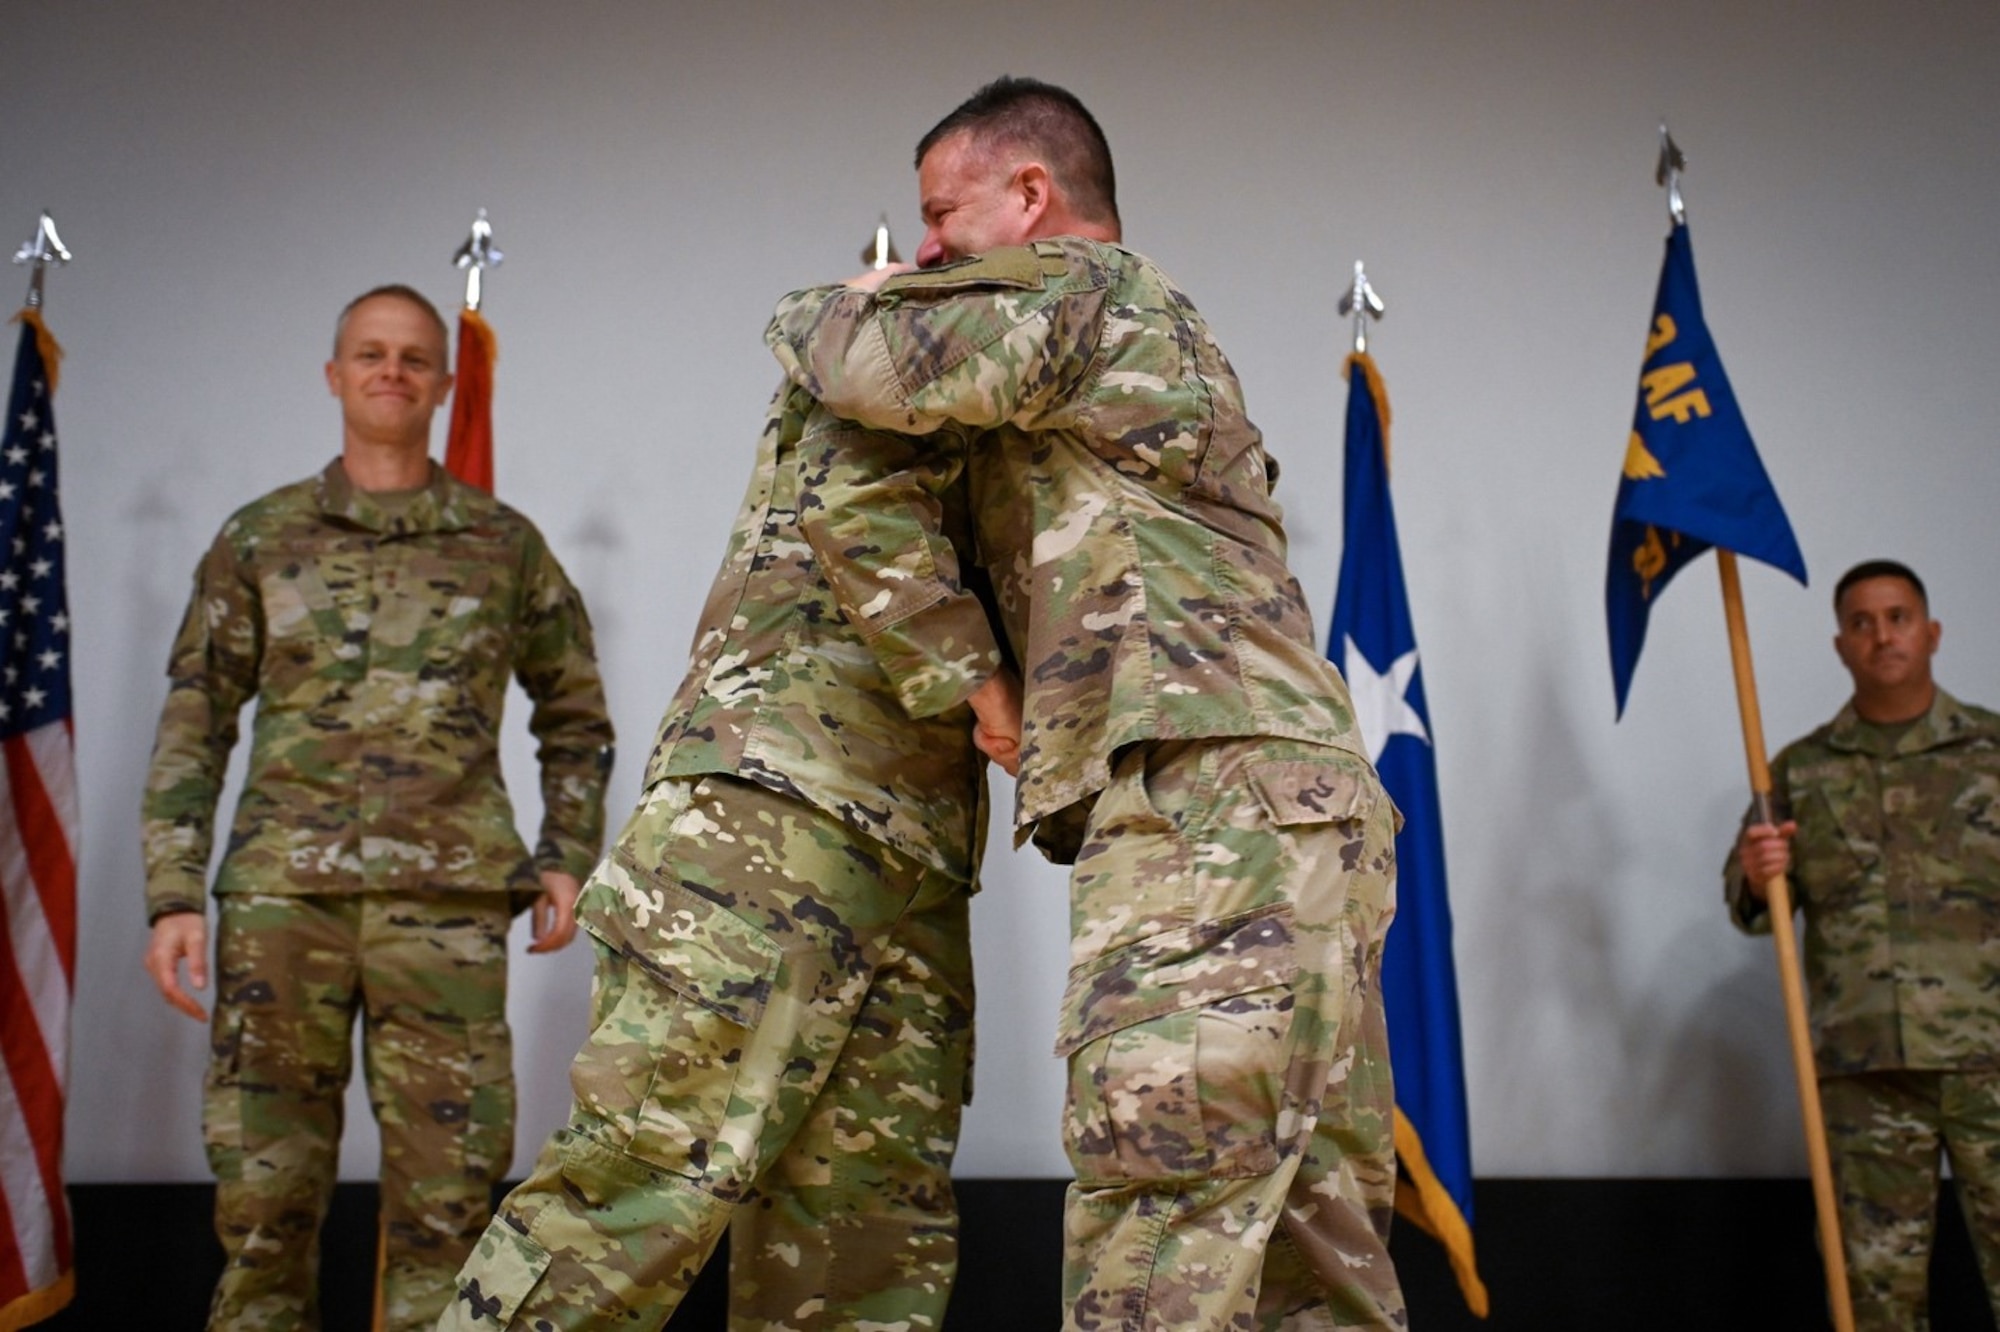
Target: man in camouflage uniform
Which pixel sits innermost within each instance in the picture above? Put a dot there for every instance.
(782, 1015)
(1185, 744)
(1889, 828)
(375, 612)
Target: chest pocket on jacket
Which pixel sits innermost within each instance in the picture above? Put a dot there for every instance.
(431, 612)
(317, 611)
(1838, 851)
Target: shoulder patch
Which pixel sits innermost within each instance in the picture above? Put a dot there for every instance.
(1011, 266)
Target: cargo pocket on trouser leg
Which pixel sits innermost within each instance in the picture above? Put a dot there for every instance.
(1177, 1048)
(497, 1278)
(660, 1071)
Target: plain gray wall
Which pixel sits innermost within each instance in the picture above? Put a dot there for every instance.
(658, 174)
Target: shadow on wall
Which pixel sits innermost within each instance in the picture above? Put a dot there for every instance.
(1723, 1076)
(1556, 934)
(169, 1050)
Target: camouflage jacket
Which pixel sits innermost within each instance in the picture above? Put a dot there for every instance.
(1122, 498)
(1896, 870)
(784, 691)
(378, 647)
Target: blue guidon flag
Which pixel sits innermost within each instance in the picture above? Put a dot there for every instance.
(1692, 475)
(1375, 646)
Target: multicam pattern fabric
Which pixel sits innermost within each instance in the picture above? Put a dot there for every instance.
(1896, 869)
(378, 645)
(1230, 1109)
(782, 1034)
(784, 690)
(1230, 1102)
(1884, 1132)
(428, 977)
(1124, 507)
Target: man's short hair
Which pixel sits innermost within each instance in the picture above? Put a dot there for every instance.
(1048, 122)
(1868, 569)
(403, 291)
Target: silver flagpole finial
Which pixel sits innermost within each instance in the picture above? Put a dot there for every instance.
(881, 250)
(476, 256)
(1361, 302)
(1668, 174)
(43, 248)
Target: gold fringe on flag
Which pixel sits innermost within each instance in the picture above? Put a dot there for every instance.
(51, 349)
(1426, 1204)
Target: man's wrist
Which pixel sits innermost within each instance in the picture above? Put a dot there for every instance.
(156, 912)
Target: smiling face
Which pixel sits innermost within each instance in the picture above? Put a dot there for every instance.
(975, 200)
(1886, 640)
(388, 370)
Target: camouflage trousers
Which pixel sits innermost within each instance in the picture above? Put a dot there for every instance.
(1229, 1112)
(1884, 1133)
(428, 976)
(781, 1045)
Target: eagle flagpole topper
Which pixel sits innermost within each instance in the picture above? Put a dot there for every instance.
(41, 250)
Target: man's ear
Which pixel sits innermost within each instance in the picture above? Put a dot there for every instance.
(1036, 189)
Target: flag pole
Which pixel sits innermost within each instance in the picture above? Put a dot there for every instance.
(1779, 899)
(1363, 304)
(468, 453)
(42, 249)
(475, 257)
(880, 251)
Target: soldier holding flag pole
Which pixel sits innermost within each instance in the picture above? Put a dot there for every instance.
(1883, 821)
(1692, 479)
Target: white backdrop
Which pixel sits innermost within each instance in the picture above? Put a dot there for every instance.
(658, 174)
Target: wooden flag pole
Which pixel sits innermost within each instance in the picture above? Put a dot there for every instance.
(1779, 901)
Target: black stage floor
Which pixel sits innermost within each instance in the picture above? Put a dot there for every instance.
(1622, 1255)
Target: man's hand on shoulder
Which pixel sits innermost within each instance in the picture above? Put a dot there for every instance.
(1763, 852)
(180, 935)
(873, 279)
(553, 918)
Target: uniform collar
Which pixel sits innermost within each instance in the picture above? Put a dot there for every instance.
(1946, 723)
(442, 506)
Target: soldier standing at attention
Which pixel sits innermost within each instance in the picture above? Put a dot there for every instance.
(375, 612)
(782, 1017)
(1185, 744)
(1890, 833)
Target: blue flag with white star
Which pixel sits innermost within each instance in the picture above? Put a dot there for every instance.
(1375, 646)
(1692, 475)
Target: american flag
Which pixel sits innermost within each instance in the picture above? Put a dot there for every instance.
(38, 827)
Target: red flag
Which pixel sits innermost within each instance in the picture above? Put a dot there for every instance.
(38, 827)
(468, 454)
